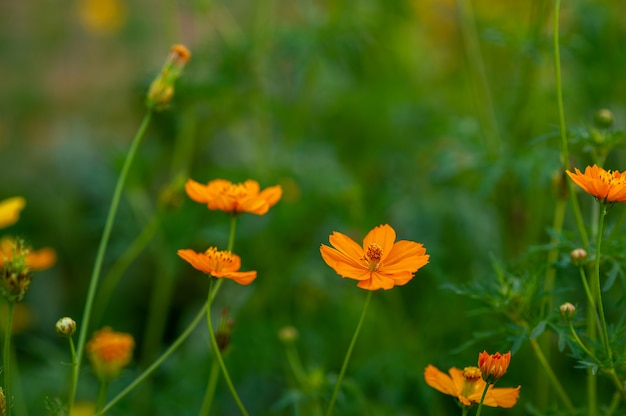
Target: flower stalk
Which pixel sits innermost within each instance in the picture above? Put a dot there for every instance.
(7, 357)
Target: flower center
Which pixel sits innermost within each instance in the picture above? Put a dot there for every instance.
(373, 255)
(219, 259)
(470, 375)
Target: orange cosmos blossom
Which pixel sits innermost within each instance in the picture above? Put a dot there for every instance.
(605, 185)
(234, 198)
(220, 264)
(381, 263)
(467, 386)
(109, 352)
(493, 366)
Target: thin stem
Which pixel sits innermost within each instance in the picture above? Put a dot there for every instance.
(7, 358)
(93, 283)
(465, 410)
(102, 394)
(158, 361)
(346, 360)
(218, 355)
(73, 379)
(210, 389)
(231, 236)
(598, 289)
(482, 399)
(581, 345)
(617, 397)
(552, 377)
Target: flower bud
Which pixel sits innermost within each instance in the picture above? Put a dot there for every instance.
(603, 118)
(224, 330)
(161, 90)
(568, 311)
(578, 256)
(65, 327)
(15, 275)
(493, 366)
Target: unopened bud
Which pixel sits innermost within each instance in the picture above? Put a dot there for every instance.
(578, 256)
(568, 311)
(161, 90)
(603, 118)
(224, 330)
(65, 327)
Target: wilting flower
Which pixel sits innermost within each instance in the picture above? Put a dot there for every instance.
(381, 263)
(161, 89)
(36, 260)
(493, 366)
(467, 386)
(109, 352)
(607, 186)
(17, 261)
(10, 210)
(220, 264)
(234, 198)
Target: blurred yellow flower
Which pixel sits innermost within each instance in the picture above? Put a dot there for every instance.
(234, 198)
(607, 186)
(381, 263)
(467, 386)
(83, 409)
(102, 17)
(109, 352)
(220, 264)
(10, 210)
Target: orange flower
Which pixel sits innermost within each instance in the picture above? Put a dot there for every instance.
(10, 210)
(218, 264)
(36, 260)
(380, 263)
(222, 195)
(606, 185)
(467, 386)
(493, 366)
(109, 352)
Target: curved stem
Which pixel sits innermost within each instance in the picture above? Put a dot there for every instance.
(7, 358)
(95, 275)
(218, 356)
(552, 377)
(210, 389)
(347, 358)
(581, 345)
(482, 399)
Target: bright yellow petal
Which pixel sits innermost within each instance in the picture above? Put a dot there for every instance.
(384, 236)
(10, 210)
(252, 187)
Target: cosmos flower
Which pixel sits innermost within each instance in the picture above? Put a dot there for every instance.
(234, 198)
(493, 366)
(607, 186)
(220, 264)
(10, 210)
(467, 387)
(109, 352)
(381, 263)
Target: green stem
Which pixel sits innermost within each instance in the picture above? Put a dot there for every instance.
(93, 283)
(102, 394)
(593, 312)
(7, 358)
(465, 410)
(218, 355)
(233, 229)
(158, 361)
(210, 389)
(597, 287)
(73, 379)
(617, 397)
(333, 399)
(581, 345)
(482, 399)
(552, 377)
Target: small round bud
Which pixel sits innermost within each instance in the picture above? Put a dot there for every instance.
(288, 334)
(578, 256)
(65, 327)
(603, 118)
(568, 311)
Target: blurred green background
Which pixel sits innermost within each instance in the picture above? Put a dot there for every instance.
(434, 116)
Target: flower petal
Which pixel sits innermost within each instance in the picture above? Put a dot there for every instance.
(10, 210)
(440, 381)
(405, 256)
(344, 265)
(197, 191)
(501, 396)
(243, 278)
(272, 194)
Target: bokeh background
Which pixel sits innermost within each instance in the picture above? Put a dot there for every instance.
(438, 117)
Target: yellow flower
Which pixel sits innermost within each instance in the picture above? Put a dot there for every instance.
(102, 16)
(381, 263)
(606, 186)
(493, 366)
(109, 352)
(10, 210)
(467, 386)
(220, 264)
(222, 195)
